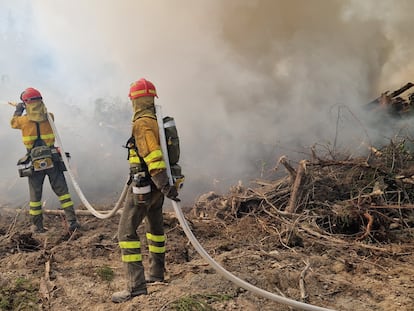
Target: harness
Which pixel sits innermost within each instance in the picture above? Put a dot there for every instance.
(138, 170)
(40, 157)
(41, 154)
(36, 159)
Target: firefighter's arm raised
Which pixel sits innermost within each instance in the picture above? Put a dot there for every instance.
(19, 109)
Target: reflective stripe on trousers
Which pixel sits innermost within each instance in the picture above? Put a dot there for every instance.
(130, 251)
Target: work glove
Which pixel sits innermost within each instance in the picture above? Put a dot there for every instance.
(19, 109)
(171, 193)
(162, 183)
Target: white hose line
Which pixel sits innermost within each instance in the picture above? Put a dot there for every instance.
(201, 250)
(164, 149)
(76, 185)
(231, 277)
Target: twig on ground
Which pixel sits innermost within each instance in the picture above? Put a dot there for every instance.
(369, 225)
(303, 294)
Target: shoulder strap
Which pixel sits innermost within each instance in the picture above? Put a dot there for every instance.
(38, 130)
(131, 144)
(39, 141)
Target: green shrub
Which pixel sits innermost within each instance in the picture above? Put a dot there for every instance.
(105, 273)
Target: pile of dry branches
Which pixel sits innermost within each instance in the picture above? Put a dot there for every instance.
(367, 199)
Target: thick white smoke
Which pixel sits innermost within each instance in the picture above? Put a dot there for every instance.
(246, 80)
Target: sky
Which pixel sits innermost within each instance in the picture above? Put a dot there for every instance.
(247, 81)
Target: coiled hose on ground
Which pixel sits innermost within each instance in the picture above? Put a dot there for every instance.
(183, 222)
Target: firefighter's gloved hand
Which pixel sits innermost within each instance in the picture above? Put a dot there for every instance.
(19, 109)
(162, 183)
(171, 193)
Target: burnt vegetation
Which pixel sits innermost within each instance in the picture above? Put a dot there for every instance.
(351, 200)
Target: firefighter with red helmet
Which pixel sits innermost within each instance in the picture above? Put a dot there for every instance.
(42, 158)
(149, 185)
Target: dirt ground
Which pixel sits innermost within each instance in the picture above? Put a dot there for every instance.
(55, 271)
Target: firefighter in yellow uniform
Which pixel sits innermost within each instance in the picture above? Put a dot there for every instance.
(149, 184)
(39, 140)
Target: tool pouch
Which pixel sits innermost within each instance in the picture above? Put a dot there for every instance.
(41, 158)
(58, 160)
(25, 166)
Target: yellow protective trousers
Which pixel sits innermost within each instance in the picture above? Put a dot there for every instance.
(132, 216)
(57, 182)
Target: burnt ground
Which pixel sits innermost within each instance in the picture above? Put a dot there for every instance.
(55, 271)
(335, 233)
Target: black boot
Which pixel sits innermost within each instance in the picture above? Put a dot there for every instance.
(125, 295)
(136, 283)
(37, 226)
(71, 219)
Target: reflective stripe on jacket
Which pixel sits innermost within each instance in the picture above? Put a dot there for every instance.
(145, 131)
(29, 130)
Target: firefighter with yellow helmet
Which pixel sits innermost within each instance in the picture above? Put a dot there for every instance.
(42, 158)
(149, 184)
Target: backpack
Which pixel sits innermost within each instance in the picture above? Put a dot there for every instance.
(173, 149)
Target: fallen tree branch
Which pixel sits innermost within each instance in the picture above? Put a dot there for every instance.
(54, 212)
(392, 206)
(77, 212)
(345, 243)
(289, 168)
(46, 286)
(355, 162)
(278, 211)
(296, 187)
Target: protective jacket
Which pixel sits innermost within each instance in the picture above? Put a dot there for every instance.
(29, 130)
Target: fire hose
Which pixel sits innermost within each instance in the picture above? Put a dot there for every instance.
(231, 277)
(76, 185)
(183, 222)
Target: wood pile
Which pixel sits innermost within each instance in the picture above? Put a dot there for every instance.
(367, 199)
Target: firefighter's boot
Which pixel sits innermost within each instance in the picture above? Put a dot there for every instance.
(71, 219)
(37, 226)
(136, 283)
(157, 267)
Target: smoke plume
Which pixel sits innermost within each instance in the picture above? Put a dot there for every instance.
(246, 80)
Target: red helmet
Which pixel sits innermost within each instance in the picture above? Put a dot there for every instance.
(142, 88)
(30, 94)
